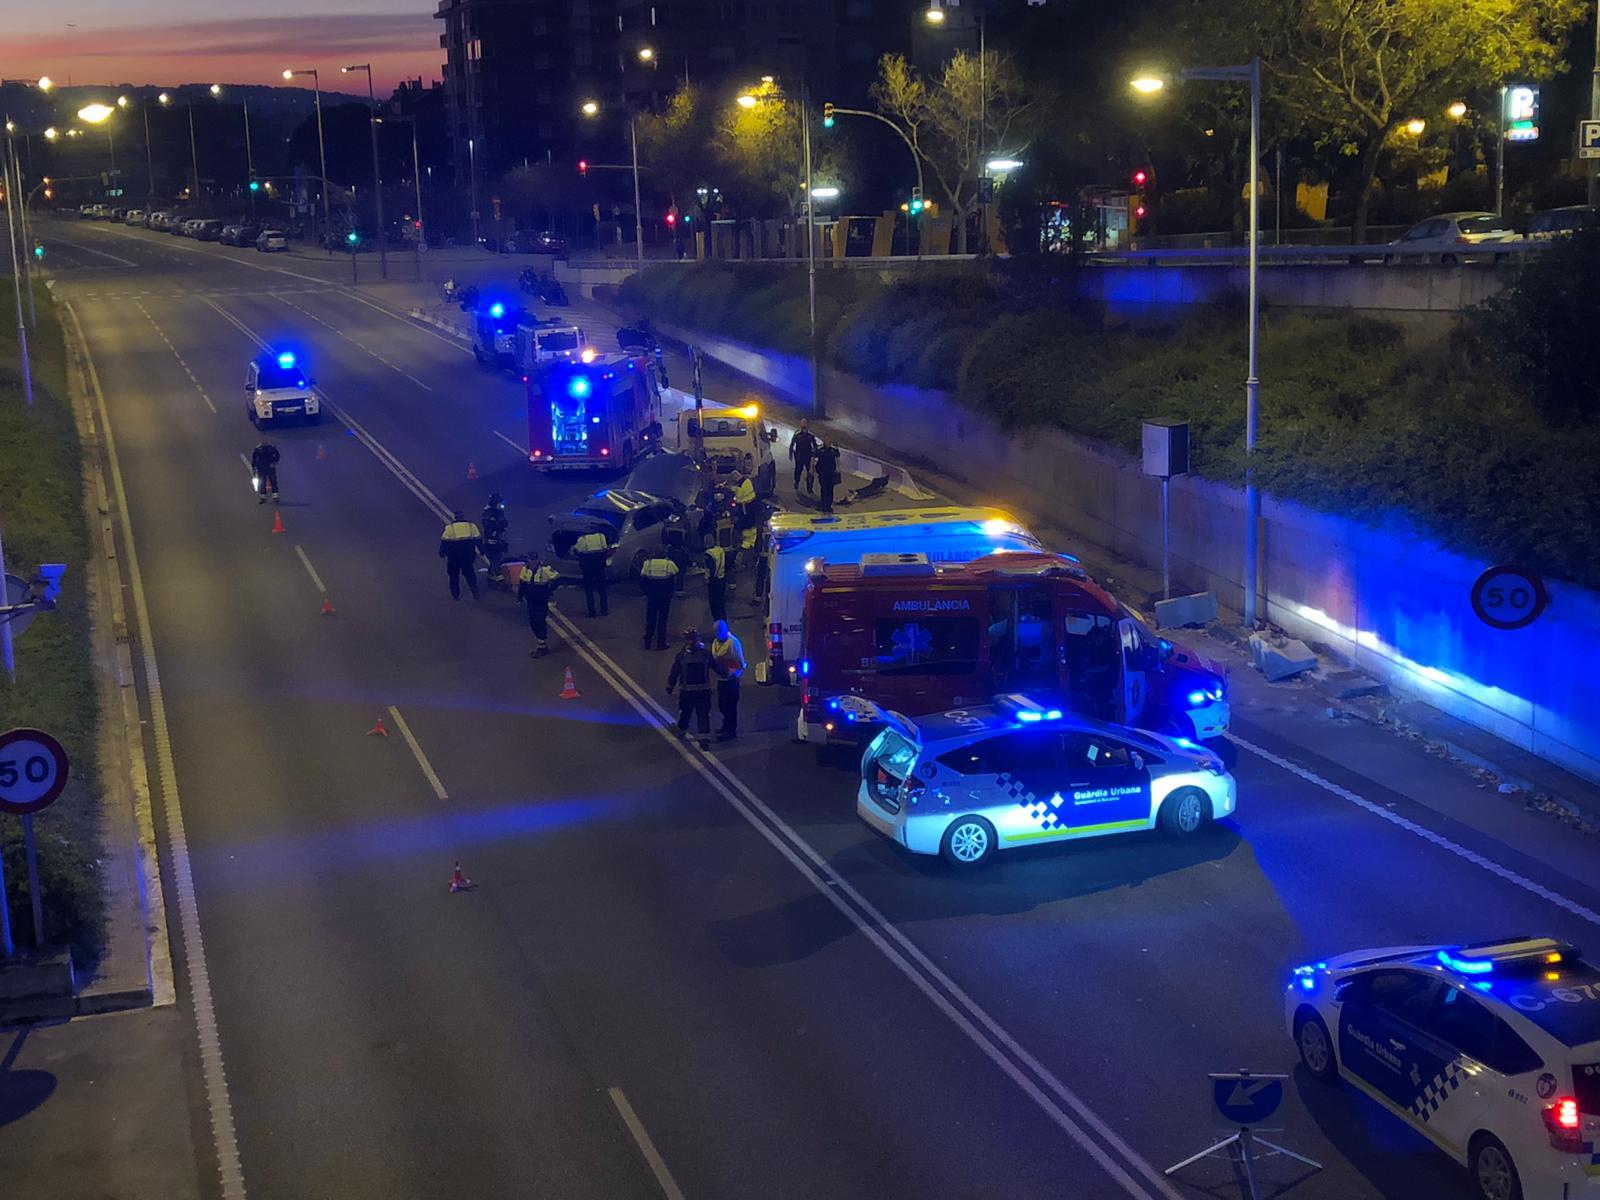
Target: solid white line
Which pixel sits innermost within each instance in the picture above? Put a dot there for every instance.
(220, 257)
(102, 253)
(358, 345)
(416, 749)
(249, 470)
(408, 321)
(522, 450)
(641, 1136)
(219, 1107)
(1427, 835)
(311, 571)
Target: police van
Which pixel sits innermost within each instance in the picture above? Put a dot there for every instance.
(276, 388)
(1490, 1050)
(973, 781)
(799, 544)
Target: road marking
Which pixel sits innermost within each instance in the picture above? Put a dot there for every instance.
(522, 450)
(1082, 1125)
(359, 345)
(139, 304)
(92, 250)
(641, 1137)
(218, 257)
(219, 1107)
(406, 320)
(1421, 831)
(310, 570)
(416, 749)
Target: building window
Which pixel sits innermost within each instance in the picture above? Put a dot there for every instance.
(858, 10)
(474, 50)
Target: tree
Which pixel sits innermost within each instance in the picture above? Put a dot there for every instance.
(761, 150)
(950, 126)
(675, 146)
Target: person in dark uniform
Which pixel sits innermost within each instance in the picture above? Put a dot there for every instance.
(803, 452)
(458, 546)
(538, 583)
(592, 550)
(264, 466)
(827, 473)
(691, 673)
(658, 578)
(496, 534)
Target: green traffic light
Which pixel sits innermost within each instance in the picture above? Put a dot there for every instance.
(38, 250)
(255, 186)
(352, 237)
(827, 122)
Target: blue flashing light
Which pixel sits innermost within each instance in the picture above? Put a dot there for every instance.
(578, 386)
(833, 705)
(286, 360)
(1053, 715)
(1466, 966)
(1483, 985)
(497, 310)
(1196, 699)
(805, 666)
(1029, 717)
(1186, 743)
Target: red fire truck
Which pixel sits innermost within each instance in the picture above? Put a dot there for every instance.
(602, 413)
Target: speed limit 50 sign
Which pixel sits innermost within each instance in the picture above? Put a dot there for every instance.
(1508, 597)
(33, 771)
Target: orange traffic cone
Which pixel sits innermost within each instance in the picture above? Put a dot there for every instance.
(327, 607)
(569, 689)
(458, 881)
(277, 523)
(472, 470)
(322, 454)
(378, 729)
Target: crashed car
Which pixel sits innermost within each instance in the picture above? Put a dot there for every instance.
(663, 493)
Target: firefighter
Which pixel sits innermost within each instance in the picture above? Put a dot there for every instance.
(592, 550)
(717, 582)
(264, 466)
(691, 674)
(538, 583)
(658, 578)
(727, 659)
(496, 534)
(458, 546)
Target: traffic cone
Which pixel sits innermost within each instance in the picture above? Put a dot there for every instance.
(378, 729)
(327, 607)
(472, 469)
(458, 881)
(277, 523)
(569, 689)
(322, 454)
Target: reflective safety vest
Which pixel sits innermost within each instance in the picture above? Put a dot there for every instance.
(658, 568)
(728, 654)
(546, 575)
(745, 493)
(717, 562)
(747, 539)
(591, 543)
(460, 531)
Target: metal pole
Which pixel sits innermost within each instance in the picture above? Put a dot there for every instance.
(249, 159)
(322, 155)
(7, 946)
(472, 183)
(194, 158)
(25, 248)
(1277, 200)
(416, 178)
(22, 333)
(31, 853)
(1252, 383)
(1500, 161)
(377, 179)
(111, 145)
(638, 216)
(983, 129)
(149, 160)
(7, 655)
(818, 407)
(1166, 541)
(1594, 114)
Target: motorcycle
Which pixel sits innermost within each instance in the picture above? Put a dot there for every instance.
(551, 291)
(468, 298)
(528, 280)
(638, 336)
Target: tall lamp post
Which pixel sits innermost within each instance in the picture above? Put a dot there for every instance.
(377, 181)
(13, 179)
(416, 179)
(14, 198)
(591, 108)
(194, 154)
(1249, 73)
(322, 151)
(249, 155)
(934, 14)
(100, 114)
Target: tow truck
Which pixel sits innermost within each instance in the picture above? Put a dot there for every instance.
(601, 413)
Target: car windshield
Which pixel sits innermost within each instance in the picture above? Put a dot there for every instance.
(1484, 224)
(566, 339)
(275, 376)
(719, 427)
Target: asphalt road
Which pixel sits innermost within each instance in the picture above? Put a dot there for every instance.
(679, 973)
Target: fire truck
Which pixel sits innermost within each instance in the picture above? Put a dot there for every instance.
(601, 414)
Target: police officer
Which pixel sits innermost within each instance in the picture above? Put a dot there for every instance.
(727, 659)
(744, 500)
(691, 673)
(538, 583)
(658, 577)
(592, 550)
(827, 472)
(458, 546)
(717, 582)
(496, 533)
(803, 452)
(264, 466)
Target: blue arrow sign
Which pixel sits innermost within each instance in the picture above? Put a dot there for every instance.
(1245, 1099)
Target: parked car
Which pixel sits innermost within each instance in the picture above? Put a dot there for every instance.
(270, 240)
(156, 220)
(549, 243)
(208, 231)
(1561, 222)
(247, 232)
(229, 236)
(134, 216)
(1449, 234)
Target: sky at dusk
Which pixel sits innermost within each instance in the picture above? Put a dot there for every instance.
(168, 42)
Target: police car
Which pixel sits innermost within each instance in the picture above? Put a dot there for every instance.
(276, 388)
(1491, 1050)
(991, 777)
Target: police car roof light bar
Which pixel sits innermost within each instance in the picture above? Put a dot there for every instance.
(1466, 966)
(286, 359)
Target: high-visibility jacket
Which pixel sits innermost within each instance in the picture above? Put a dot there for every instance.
(536, 588)
(591, 543)
(747, 539)
(660, 567)
(716, 562)
(728, 654)
(459, 539)
(745, 493)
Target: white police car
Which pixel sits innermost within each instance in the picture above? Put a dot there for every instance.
(1491, 1050)
(277, 388)
(997, 776)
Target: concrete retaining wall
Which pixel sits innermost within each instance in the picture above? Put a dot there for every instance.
(1390, 603)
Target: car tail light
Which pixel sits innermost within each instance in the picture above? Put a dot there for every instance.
(1563, 1124)
(538, 454)
(605, 451)
(1463, 240)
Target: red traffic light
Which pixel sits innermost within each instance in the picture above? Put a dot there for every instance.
(583, 166)
(672, 218)
(1139, 212)
(1140, 177)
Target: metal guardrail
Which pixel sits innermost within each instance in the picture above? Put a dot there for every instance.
(1483, 253)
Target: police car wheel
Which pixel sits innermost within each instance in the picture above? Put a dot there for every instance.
(1184, 812)
(1315, 1046)
(968, 842)
(1494, 1175)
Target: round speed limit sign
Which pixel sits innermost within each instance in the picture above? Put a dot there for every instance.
(33, 771)
(1507, 597)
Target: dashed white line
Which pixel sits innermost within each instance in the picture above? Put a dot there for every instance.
(137, 303)
(310, 570)
(353, 341)
(641, 1137)
(1427, 835)
(416, 749)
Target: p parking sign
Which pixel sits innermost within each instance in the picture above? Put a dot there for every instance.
(1589, 139)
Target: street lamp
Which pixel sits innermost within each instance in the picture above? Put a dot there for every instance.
(825, 193)
(216, 90)
(14, 202)
(591, 108)
(1457, 109)
(1415, 126)
(377, 181)
(416, 180)
(1249, 73)
(647, 54)
(194, 154)
(1002, 166)
(322, 152)
(99, 114)
(44, 83)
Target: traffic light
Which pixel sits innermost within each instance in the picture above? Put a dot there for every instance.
(827, 116)
(583, 166)
(255, 185)
(672, 219)
(1140, 177)
(352, 237)
(916, 202)
(38, 249)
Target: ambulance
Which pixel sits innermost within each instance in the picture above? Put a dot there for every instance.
(799, 543)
